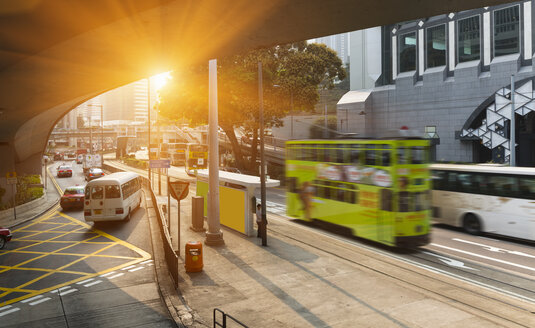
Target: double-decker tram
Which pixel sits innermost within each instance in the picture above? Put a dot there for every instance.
(379, 189)
(196, 158)
(482, 198)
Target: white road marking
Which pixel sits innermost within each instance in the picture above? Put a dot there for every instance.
(138, 268)
(40, 301)
(93, 283)
(128, 267)
(495, 249)
(8, 311)
(31, 299)
(115, 276)
(67, 292)
(5, 307)
(60, 289)
(150, 264)
(83, 282)
(486, 257)
(450, 262)
(107, 274)
(145, 262)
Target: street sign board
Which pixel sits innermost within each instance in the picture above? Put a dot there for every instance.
(11, 177)
(160, 163)
(179, 189)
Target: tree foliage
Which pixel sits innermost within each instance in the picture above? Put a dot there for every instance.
(292, 75)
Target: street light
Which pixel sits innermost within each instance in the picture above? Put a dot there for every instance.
(101, 131)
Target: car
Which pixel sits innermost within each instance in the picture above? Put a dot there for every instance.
(79, 159)
(58, 157)
(94, 173)
(64, 171)
(5, 236)
(73, 197)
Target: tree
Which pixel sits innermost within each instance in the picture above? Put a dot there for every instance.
(292, 75)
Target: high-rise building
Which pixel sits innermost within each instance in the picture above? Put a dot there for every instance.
(339, 43)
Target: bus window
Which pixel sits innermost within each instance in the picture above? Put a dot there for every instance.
(505, 186)
(402, 156)
(370, 157)
(439, 180)
(97, 192)
(385, 157)
(418, 155)
(112, 191)
(464, 182)
(526, 187)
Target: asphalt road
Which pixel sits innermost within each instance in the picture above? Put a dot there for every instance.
(60, 271)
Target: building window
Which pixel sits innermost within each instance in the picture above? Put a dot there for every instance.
(407, 52)
(469, 39)
(436, 46)
(506, 31)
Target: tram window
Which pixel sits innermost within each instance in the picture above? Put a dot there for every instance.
(341, 193)
(320, 153)
(419, 201)
(354, 197)
(291, 184)
(402, 156)
(418, 155)
(327, 155)
(355, 156)
(386, 200)
(370, 157)
(385, 158)
(526, 187)
(403, 201)
(320, 191)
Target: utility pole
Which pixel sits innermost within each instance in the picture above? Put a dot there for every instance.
(101, 135)
(263, 226)
(512, 155)
(148, 128)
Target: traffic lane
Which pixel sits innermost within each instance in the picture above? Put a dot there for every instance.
(504, 254)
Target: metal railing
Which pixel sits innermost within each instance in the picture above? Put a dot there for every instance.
(224, 317)
(171, 258)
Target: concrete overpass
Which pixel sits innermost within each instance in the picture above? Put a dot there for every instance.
(56, 54)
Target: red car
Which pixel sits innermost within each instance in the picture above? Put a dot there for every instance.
(73, 197)
(64, 171)
(5, 236)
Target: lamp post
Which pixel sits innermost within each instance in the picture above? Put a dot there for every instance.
(148, 129)
(263, 227)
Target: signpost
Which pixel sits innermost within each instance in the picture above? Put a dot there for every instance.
(160, 163)
(11, 178)
(179, 190)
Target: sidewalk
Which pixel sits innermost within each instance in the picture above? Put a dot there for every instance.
(305, 279)
(34, 208)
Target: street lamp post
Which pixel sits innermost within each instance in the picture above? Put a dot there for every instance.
(263, 226)
(148, 129)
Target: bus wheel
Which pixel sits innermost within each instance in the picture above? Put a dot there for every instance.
(471, 224)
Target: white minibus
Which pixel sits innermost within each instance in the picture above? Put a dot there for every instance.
(113, 197)
(481, 198)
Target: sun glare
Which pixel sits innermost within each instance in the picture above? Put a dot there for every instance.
(159, 80)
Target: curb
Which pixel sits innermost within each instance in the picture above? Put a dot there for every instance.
(35, 216)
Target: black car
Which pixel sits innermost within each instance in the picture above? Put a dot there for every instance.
(64, 171)
(94, 173)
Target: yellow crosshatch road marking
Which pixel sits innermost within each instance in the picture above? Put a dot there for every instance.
(21, 271)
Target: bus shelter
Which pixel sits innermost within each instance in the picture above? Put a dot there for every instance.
(237, 202)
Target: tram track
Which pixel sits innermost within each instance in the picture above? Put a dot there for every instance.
(483, 300)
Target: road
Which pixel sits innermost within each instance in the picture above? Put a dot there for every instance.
(59, 271)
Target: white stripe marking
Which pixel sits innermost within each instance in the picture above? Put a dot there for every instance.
(145, 262)
(60, 289)
(138, 268)
(63, 293)
(107, 274)
(5, 307)
(31, 299)
(486, 257)
(9, 311)
(128, 267)
(40, 301)
(93, 283)
(115, 276)
(150, 264)
(83, 282)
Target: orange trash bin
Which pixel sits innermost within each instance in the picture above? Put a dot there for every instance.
(193, 256)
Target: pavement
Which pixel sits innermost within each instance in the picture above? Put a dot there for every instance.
(51, 198)
(307, 278)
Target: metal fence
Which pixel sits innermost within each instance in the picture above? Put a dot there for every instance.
(171, 258)
(224, 320)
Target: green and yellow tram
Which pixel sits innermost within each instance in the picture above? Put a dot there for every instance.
(378, 189)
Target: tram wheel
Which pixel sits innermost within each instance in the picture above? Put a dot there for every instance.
(471, 224)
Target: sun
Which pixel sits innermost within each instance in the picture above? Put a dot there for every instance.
(159, 80)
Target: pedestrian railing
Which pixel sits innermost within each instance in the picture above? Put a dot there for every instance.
(218, 314)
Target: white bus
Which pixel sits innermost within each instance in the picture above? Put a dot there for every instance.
(113, 197)
(491, 199)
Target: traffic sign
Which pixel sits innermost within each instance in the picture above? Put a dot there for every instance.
(11, 177)
(160, 163)
(179, 189)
